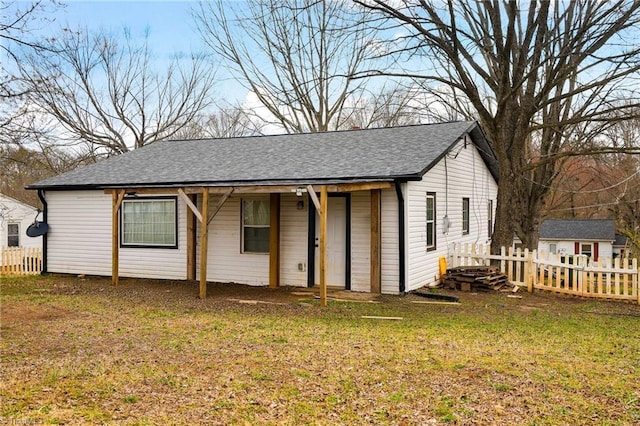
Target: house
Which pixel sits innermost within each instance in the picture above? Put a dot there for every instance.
(375, 207)
(591, 237)
(621, 246)
(15, 218)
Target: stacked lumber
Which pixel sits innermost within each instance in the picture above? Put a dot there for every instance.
(468, 278)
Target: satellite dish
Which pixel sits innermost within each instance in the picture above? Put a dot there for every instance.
(37, 229)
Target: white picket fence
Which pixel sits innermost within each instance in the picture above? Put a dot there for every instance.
(576, 275)
(20, 261)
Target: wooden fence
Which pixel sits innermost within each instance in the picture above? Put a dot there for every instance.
(576, 275)
(20, 261)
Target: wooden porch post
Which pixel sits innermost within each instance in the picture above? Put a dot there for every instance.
(116, 197)
(323, 244)
(191, 240)
(274, 241)
(204, 243)
(376, 258)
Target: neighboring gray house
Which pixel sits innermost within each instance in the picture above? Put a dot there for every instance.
(590, 237)
(395, 198)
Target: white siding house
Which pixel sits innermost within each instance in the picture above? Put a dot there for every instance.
(15, 218)
(588, 237)
(264, 210)
(459, 175)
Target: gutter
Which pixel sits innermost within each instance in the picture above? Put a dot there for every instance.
(44, 237)
(401, 239)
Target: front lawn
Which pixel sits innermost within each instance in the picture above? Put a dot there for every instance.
(77, 351)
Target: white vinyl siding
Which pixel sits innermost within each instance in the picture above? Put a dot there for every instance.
(361, 241)
(79, 240)
(465, 176)
(567, 247)
(225, 260)
(14, 213)
(293, 240)
(390, 244)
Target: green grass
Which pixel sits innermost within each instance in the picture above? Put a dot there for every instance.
(150, 352)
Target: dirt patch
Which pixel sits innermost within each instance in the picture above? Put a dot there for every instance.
(19, 313)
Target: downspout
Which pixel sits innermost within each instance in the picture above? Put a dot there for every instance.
(401, 243)
(44, 237)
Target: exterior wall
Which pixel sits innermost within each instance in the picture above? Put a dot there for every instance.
(361, 241)
(461, 174)
(225, 261)
(605, 248)
(390, 268)
(293, 240)
(79, 240)
(15, 212)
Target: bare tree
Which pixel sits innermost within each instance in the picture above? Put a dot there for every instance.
(541, 76)
(297, 56)
(18, 23)
(397, 106)
(104, 91)
(223, 123)
(21, 166)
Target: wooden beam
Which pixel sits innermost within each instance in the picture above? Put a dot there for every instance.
(218, 206)
(116, 196)
(274, 241)
(314, 198)
(376, 258)
(324, 196)
(362, 186)
(190, 204)
(191, 240)
(145, 191)
(204, 245)
(257, 189)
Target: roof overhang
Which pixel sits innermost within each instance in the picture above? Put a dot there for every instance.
(254, 187)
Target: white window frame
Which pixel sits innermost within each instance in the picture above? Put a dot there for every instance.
(147, 238)
(430, 223)
(489, 218)
(583, 252)
(244, 225)
(466, 215)
(14, 235)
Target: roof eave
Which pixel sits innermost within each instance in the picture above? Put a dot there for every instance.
(219, 184)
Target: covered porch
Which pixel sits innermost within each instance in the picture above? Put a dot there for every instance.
(205, 202)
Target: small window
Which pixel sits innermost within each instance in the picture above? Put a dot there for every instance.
(489, 218)
(553, 248)
(13, 235)
(255, 226)
(586, 249)
(465, 215)
(149, 222)
(430, 220)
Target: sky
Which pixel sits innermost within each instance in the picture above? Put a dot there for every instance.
(171, 28)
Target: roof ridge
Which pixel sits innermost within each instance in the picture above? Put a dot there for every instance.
(370, 129)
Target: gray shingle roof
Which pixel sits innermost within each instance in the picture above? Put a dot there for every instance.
(374, 154)
(621, 240)
(578, 229)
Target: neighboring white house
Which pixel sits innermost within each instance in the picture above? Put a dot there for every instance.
(397, 198)
(15, 218)
(591, 237)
